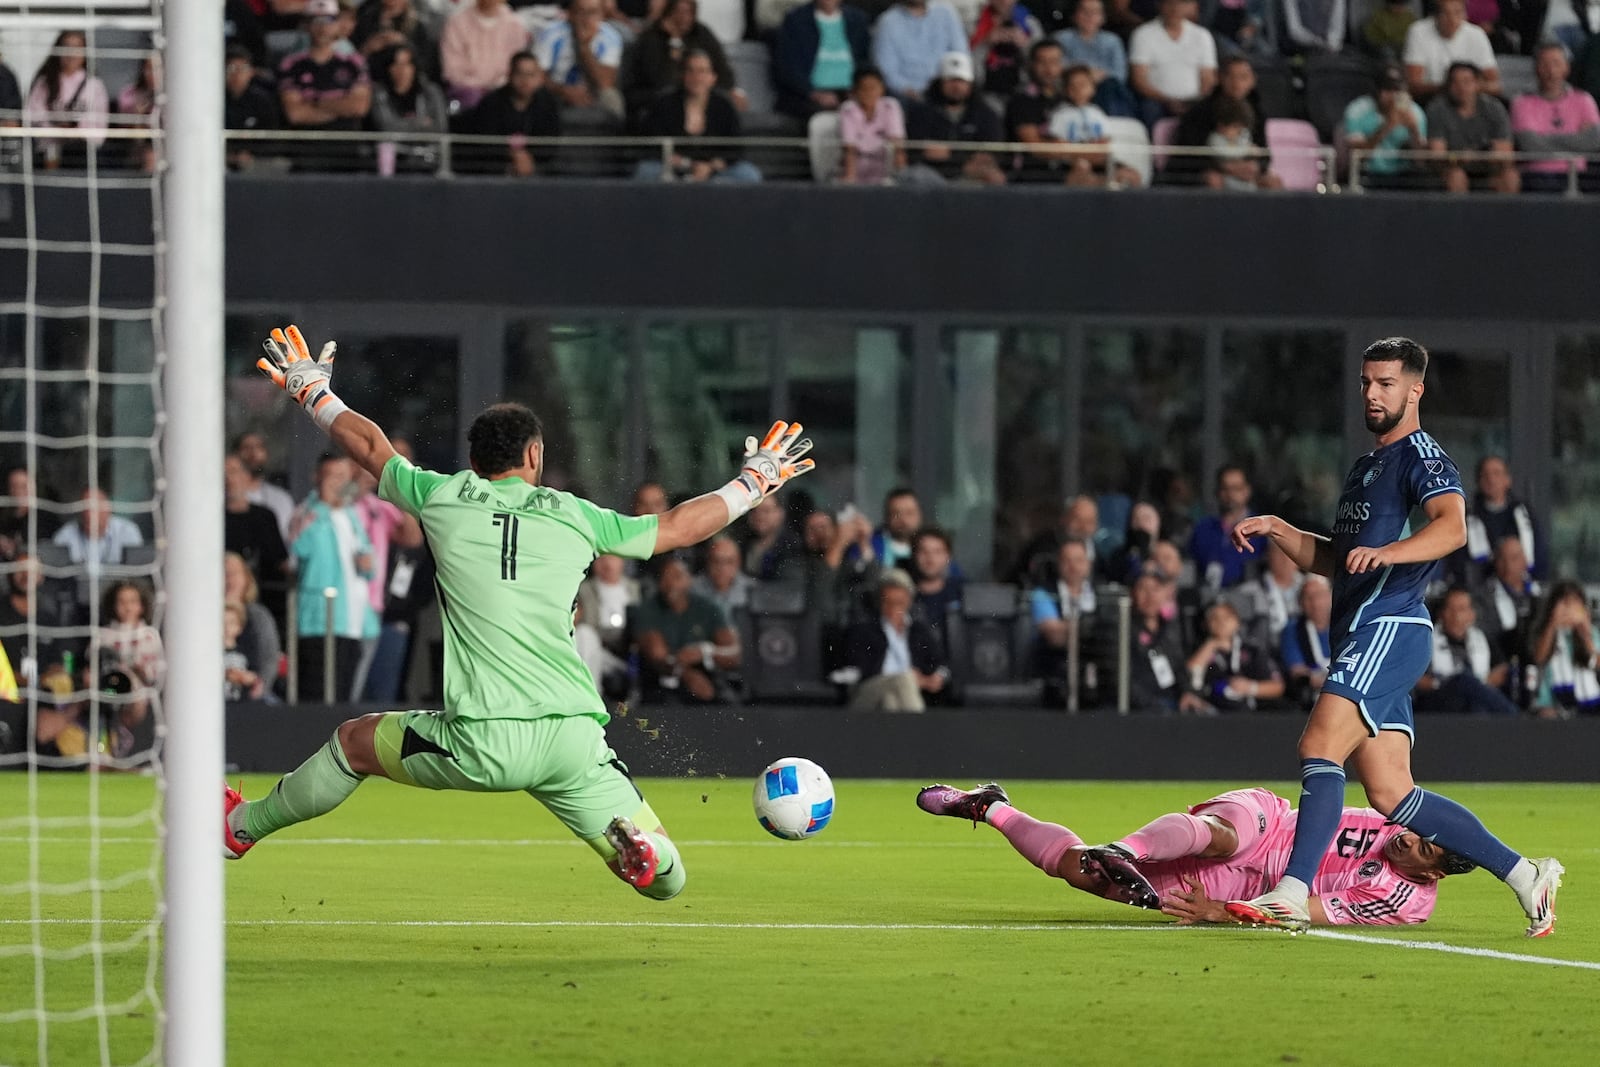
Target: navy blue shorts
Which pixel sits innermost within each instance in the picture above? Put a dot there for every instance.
(1377, 666)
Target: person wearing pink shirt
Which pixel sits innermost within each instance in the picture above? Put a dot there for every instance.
(873, 129)
(384, 524)
(476, 47)
(1557, 118)
(1186, 864)
(65, 95)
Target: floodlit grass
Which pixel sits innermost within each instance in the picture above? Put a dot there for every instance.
(419, 928)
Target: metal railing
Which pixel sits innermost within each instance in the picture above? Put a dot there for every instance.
(1421, 169)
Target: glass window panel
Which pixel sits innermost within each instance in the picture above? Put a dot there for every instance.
(1143, 418)
(851, 387)
(707, 386)
(1575, 505)
(574, 373)
(1293, 452)
(1000, 391)
(1467, 406)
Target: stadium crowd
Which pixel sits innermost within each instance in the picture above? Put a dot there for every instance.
(798, 603)
(1388, 79)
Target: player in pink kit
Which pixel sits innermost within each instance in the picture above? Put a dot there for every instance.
(1188, 863)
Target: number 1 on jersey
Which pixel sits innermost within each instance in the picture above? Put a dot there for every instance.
(508, 544)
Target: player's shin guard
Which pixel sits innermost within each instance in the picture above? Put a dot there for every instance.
(1451, 826)
(1321, 807)
(316, 787)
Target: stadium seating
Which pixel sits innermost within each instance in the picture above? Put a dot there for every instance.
(1162, 135)
(783, 660)
(1274, 88)
(1130, 146)
(827, 152)
(1332, 81)
(990, 646)
(1296, 154)
(752, 69)
(1516, 76)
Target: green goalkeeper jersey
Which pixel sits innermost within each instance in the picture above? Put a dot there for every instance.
(509, 559)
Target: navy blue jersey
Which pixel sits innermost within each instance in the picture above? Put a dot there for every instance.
(1381, 502)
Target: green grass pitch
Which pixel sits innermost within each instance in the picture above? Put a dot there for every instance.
(419, 928)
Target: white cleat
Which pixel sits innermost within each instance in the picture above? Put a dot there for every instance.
(1540, 903)
(1277, 909)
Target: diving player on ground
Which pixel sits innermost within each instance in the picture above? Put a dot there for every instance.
(1237, 844)
(521, 711)
(1380, 564)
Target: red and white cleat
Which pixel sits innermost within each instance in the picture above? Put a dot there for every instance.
(1276, 909)
(235, 843)
(636, 853)
(1541, 902)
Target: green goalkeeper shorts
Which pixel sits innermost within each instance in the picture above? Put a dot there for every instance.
(563, 762)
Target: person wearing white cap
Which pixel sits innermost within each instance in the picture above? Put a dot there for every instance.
(910, 40)
(951, 112)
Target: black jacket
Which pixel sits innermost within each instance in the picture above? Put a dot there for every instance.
(665, 119)
(866, 645)
(796, 53)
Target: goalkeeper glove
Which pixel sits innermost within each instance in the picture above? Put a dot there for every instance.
(308, 381)
(767, 466)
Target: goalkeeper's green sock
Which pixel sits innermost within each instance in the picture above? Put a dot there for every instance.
(670, 876)
(316, 787)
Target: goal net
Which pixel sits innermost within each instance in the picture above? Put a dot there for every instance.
(88, 687)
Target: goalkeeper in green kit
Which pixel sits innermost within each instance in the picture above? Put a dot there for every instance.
(521, 710)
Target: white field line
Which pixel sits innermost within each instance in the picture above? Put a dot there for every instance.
(362, 842)
(1126, 928)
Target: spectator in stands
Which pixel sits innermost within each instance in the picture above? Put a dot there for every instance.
(260, 639)
(766, 539)
(655, 63)
(1315, 26)
(1216, 561)
(938, 585)
(1563, 645)
(523, 108)
(1157, 654)
(1000, 41)
(16, 517)
(1464, 119)
(1273, 597)
(1125, 16)
(332, 551)
(1138, 540)
(251, 531)
(695, 110)
(65, 95)
(820, 46)
(1435, 45)
(898, 656)
(96, 536)
(239, 682)
(1173, 61)
(477, 47)
(1557, 118)
(1384, 32)
(1166, 559)
(1089, 44)
(407, 102)
(246, 105)
(722, 582)
(1383, 125)
(872, 129)
(686, 644)
(323, 89)
(1058, 610)
(910, 42)
(902, 518)
(650, 499)
(1468, 672)
(1236, 85)
(126, 638)
(1303, 647)
(581, 57)
(605, 598)
(837, 565)
(10, 96)
(1080, 122)
(386, 527)
(138, 100)
(1495, 514)
(1229, 670)
(23, 609)
(1080, 520)
(252, 449)
(1028, 114)
(385, 24)
(1509, 599)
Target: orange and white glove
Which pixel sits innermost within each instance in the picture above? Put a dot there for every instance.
(767, 467)
(308, 381)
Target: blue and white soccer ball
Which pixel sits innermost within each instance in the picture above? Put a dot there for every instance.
(794, 799)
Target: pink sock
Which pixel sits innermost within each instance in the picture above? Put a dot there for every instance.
(1168, 838)
(1040, 843)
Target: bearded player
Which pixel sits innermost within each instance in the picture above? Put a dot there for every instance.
(1380, 559)
(1237, 844)
(521, 710)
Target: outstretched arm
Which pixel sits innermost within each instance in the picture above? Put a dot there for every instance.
(308, 381)
(1309, 552)
(767, 467)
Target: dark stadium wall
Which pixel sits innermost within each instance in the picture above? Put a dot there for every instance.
(775, 246)
(987, 743)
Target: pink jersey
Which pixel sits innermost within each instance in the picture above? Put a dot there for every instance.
(1354, 881)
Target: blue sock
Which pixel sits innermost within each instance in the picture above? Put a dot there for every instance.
(1449, 825)
(1321, 808)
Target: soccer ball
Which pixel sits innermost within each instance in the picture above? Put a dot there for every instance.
(794, 799)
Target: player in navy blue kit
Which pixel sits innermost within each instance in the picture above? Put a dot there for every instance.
(1402, 510)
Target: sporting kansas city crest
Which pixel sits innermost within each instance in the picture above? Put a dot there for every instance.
(1372, 475)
